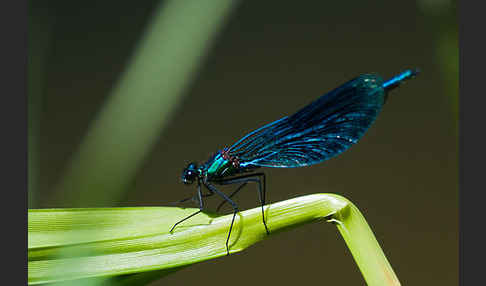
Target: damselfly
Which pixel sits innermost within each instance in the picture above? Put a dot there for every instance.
(319, 131)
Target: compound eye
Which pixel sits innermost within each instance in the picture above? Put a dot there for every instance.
(187, 179)
(189, 174)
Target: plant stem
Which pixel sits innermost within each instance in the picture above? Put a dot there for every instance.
(69, 244)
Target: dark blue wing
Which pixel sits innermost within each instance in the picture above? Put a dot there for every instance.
(317, 132)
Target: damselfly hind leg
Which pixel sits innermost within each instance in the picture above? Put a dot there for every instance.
(257, 178)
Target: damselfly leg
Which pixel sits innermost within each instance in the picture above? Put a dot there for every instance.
(233, 204)
(257, 178)
(200, 197)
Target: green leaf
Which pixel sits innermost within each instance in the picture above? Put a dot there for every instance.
(71, 244)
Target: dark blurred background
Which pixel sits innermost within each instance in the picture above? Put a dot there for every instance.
(263, 60)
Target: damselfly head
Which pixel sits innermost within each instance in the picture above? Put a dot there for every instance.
(189, 174)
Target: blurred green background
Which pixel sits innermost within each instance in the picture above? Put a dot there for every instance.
(122, 96)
